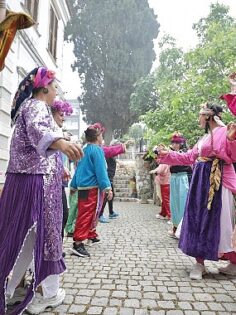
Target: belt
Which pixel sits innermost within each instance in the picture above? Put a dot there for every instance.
(215, 178)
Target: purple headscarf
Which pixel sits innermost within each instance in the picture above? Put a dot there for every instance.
(63, 107)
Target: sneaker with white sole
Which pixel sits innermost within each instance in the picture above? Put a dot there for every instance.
(39, 304)
(197, 272)
(230, 269)
(113, 215)
(171, 234)
(93, 241)
(79, 250)
(103, 219)
(160, 217)
(18, 296)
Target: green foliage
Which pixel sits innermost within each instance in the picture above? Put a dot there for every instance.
(113, 45)
(136, 132)
(145, 96)
(184, 80)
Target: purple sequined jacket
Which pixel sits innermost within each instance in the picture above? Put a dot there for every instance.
(34, 132)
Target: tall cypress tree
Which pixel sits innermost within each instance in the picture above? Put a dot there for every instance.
(113, 45)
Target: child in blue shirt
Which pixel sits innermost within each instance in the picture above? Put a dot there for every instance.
(92, 182)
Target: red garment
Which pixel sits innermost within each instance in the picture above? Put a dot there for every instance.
(165, 205)
(231, 102)
(231, 256)
(84, 226)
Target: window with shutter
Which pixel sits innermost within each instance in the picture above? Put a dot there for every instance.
(32, 7)
(52, 43)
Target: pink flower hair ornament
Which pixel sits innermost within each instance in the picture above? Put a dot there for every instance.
(97, 126)
(43, 77)
(177, 137)
(62, 107)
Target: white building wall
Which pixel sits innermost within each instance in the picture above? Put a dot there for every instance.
(29, 50)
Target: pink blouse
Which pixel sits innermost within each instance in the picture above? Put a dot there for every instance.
(163, 174)
(222, 149)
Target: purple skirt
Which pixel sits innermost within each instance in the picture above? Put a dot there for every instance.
(21, 207)
(200, 232)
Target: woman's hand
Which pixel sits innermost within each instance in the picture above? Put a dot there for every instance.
(232, 81)
(163, 153)
(231, 133)
(232, 76)
(72, 150)
(109, 195)
(66, 175)
(152, 172)
(72, 191)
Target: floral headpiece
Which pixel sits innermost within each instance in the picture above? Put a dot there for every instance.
(97, 126)
(62, 107)
(43, 77)
(205, 110)
(177, 137)
(38, 77)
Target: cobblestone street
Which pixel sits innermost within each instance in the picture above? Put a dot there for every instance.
(137, 269)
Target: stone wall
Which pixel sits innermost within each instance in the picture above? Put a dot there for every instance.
(143, 178)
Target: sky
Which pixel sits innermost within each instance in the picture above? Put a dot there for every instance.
(176, 18)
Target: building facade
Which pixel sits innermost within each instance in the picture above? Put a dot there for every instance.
(72, 123)
(40, 45)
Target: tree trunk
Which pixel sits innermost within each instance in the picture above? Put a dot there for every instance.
(108, 136)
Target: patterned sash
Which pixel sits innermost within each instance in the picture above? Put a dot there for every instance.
(215, 177)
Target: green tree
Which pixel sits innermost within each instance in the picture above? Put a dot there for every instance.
(136, 131)
(145, 96)
(185, 80)
(113, 45)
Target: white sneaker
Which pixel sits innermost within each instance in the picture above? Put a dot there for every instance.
(171, 234)
(160, 217)
(197, 272)
(169, 222)
(18, 296)
(39, 304)
(228, 270)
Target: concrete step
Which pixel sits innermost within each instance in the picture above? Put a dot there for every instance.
(122, 194)
(120, 185)
(122, 189)
(121, 180)
(122, 176)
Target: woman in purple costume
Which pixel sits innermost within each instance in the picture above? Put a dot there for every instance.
(209, 217)
(30, 205)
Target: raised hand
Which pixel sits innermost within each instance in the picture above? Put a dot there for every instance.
(232, 80)
(231, 133)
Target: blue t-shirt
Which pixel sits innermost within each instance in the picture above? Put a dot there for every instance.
(91, 170)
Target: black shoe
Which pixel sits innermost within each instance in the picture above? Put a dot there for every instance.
(95, 240)
(69, 234)
(79, 250)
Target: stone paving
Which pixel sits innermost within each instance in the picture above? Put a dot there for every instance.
(137, 269)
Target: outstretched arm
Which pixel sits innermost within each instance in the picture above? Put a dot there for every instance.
(113, 150)
(177, 158)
